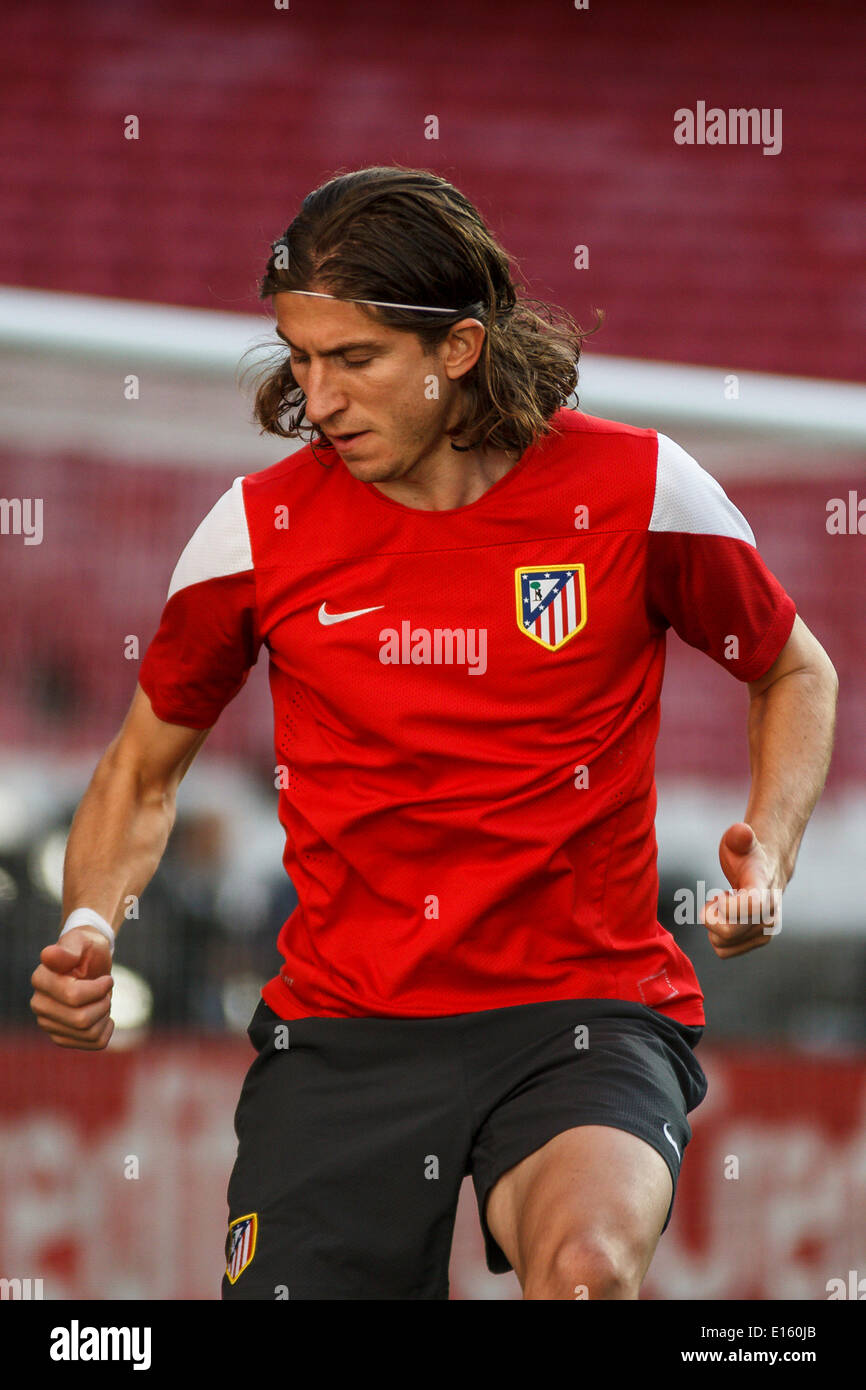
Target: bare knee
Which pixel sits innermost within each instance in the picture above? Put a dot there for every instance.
(590, 1265)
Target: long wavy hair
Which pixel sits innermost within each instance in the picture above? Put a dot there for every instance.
(410, 237)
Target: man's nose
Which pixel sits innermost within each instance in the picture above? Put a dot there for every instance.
(324, 397)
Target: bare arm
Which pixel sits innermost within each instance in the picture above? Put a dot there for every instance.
(792, 716)
(792, 719)
(118, 836)
(121, 828)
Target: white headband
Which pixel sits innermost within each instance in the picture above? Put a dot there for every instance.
(382, 303)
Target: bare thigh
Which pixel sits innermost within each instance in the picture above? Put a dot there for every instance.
(581, 1217)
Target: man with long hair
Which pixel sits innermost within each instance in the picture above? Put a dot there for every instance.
(464, 586)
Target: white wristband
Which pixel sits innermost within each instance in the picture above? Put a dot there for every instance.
(86, 917)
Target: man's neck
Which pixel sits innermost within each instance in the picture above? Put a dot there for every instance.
(456, 480)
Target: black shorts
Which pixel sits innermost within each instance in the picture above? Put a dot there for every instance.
(354, 1134)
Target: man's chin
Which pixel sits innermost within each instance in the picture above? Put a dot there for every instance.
(371, 470)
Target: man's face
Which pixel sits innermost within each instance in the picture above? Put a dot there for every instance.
(362, 378)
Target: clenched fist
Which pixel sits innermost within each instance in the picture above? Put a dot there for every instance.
(747, 917)
(72, 990)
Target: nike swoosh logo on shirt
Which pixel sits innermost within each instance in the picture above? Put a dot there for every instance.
(326, 618)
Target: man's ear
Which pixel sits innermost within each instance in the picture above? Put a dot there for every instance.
(463, 347)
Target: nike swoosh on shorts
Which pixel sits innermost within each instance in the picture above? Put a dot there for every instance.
(671, 1139)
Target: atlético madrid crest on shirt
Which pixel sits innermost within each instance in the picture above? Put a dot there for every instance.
(551, 603)
(240, 1245)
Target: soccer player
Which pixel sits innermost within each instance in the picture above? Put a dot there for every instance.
(463, 586)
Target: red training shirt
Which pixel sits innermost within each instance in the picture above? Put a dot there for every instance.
(466, 705)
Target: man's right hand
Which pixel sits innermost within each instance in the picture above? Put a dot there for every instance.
(122, 823)
(72, 990)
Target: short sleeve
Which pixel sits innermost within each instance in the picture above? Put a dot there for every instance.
(208, 637)
(705, 578)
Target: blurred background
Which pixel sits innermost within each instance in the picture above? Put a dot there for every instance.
(150, 155)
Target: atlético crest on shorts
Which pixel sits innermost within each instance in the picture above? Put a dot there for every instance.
(240, 1245)
(551, 603)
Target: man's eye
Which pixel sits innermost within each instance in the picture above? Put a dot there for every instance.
(357, 361)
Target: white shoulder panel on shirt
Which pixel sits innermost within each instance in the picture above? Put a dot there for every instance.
(689, 499)
(220, 545)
